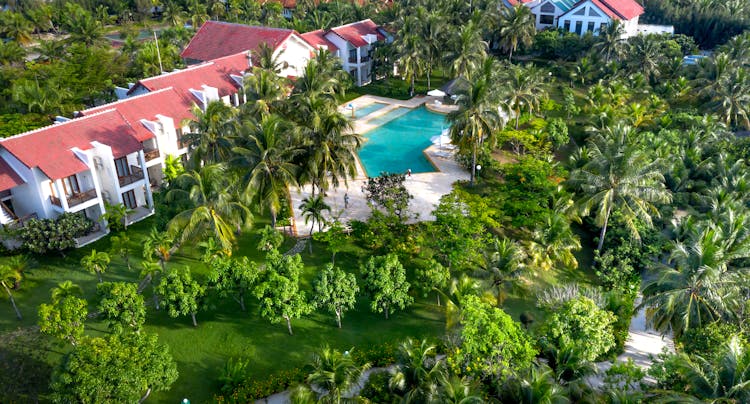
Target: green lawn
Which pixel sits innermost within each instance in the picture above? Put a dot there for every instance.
(224, 331)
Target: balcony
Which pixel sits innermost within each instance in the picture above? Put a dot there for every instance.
(79, 198)
(364, 59)
(136, 174)
(151, 154)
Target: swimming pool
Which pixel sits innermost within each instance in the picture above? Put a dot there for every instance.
(397, 145)
(366, 110)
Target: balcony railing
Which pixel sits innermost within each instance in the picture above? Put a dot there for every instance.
(136, 174)
(364, 59)
(77, 199)
(352, 59)
(151, 154)
(55, 200)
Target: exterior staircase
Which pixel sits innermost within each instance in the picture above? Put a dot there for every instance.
(6, 216)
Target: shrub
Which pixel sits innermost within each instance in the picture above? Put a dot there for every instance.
(580, 322)
(708, 341)
(376, 389)
(43, 235)
(252, 390)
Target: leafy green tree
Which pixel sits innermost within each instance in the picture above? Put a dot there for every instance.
(64, 318)
(233, 277)
(120, 246)
(9, 276)
(116, 216)
(96, 262)
(120, 368)
(620, 176)
(180, 294)
(385, 282)
(172, 168)
(270, 239)
(553, 243)
(518, 27)
(279, 291)
(334, 237)
(417, 371)
(491, 343)
(121, 305)
(336, 291)
(215, 210)
(432, 276)
(580, 322)
(149, 271)
(459, 232)
(388, 192)
(334, 374)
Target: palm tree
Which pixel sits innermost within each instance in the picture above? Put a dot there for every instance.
(96, 262)
(214, 209)
(458, 289)
(646, 56)
(159, 244)
(266, 160)
(149, 271)
(458, 390)
(433, 37)
(611, 41)
(267, 59)
(198, 13)
(723, 380)
(620, 176)
(64, 290)
(477, 116)
(120, 245)
(536, 385)
(503, 267)
(8, 277)
(312, 209)
(84, 29)
(553, 242)
(17, 27)
(523, 89)
(417, 371)
(468, 52)
(518, 27)
(702, 285)
(730, 98)
(210, 139)
(330, 144)
(334, 374)
(264, 91)
(409, 47)
(173, 13)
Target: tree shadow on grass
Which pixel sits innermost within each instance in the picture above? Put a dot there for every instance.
(24, 368)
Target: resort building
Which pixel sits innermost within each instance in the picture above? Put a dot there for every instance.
(354, 44)
(75, 166)
(216, 40)
(583, 16)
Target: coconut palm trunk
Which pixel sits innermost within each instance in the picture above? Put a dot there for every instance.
(12, 300)
(603, 231)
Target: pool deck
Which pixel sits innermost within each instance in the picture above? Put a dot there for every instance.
(427, 188)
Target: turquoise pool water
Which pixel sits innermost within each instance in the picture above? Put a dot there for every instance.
(397, 145)
(367, 110)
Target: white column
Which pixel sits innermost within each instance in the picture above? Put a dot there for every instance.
(149, 197)
(359, 68)
(60, 191)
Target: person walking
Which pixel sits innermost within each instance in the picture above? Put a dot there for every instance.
(408, 172)
(346, 200)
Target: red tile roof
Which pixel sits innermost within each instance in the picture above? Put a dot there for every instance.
(615, 9)
(217, 39)
(8, 177)
(318, 40)
(50, 148)
(214, 74)
(517, 2)
(354, 32)
(626, 9)
(165, 102)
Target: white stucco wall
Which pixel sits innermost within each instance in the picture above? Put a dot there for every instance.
(536, 10)
(591, 13)
(296, 53)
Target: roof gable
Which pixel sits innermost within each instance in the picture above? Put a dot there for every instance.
(218, 39)
(50, 148)
(8, 176)
(614, 9)
(318, 40)
(354, 32)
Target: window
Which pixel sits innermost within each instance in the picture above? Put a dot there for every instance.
(579, 26)
(602, 26)
(590, 27)
(566, 25)
(128, 199)
(546, 19)
(352, 56)
(121, 165)
(593, 13)
(547, 8)
(580, 12)
(71, 185)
